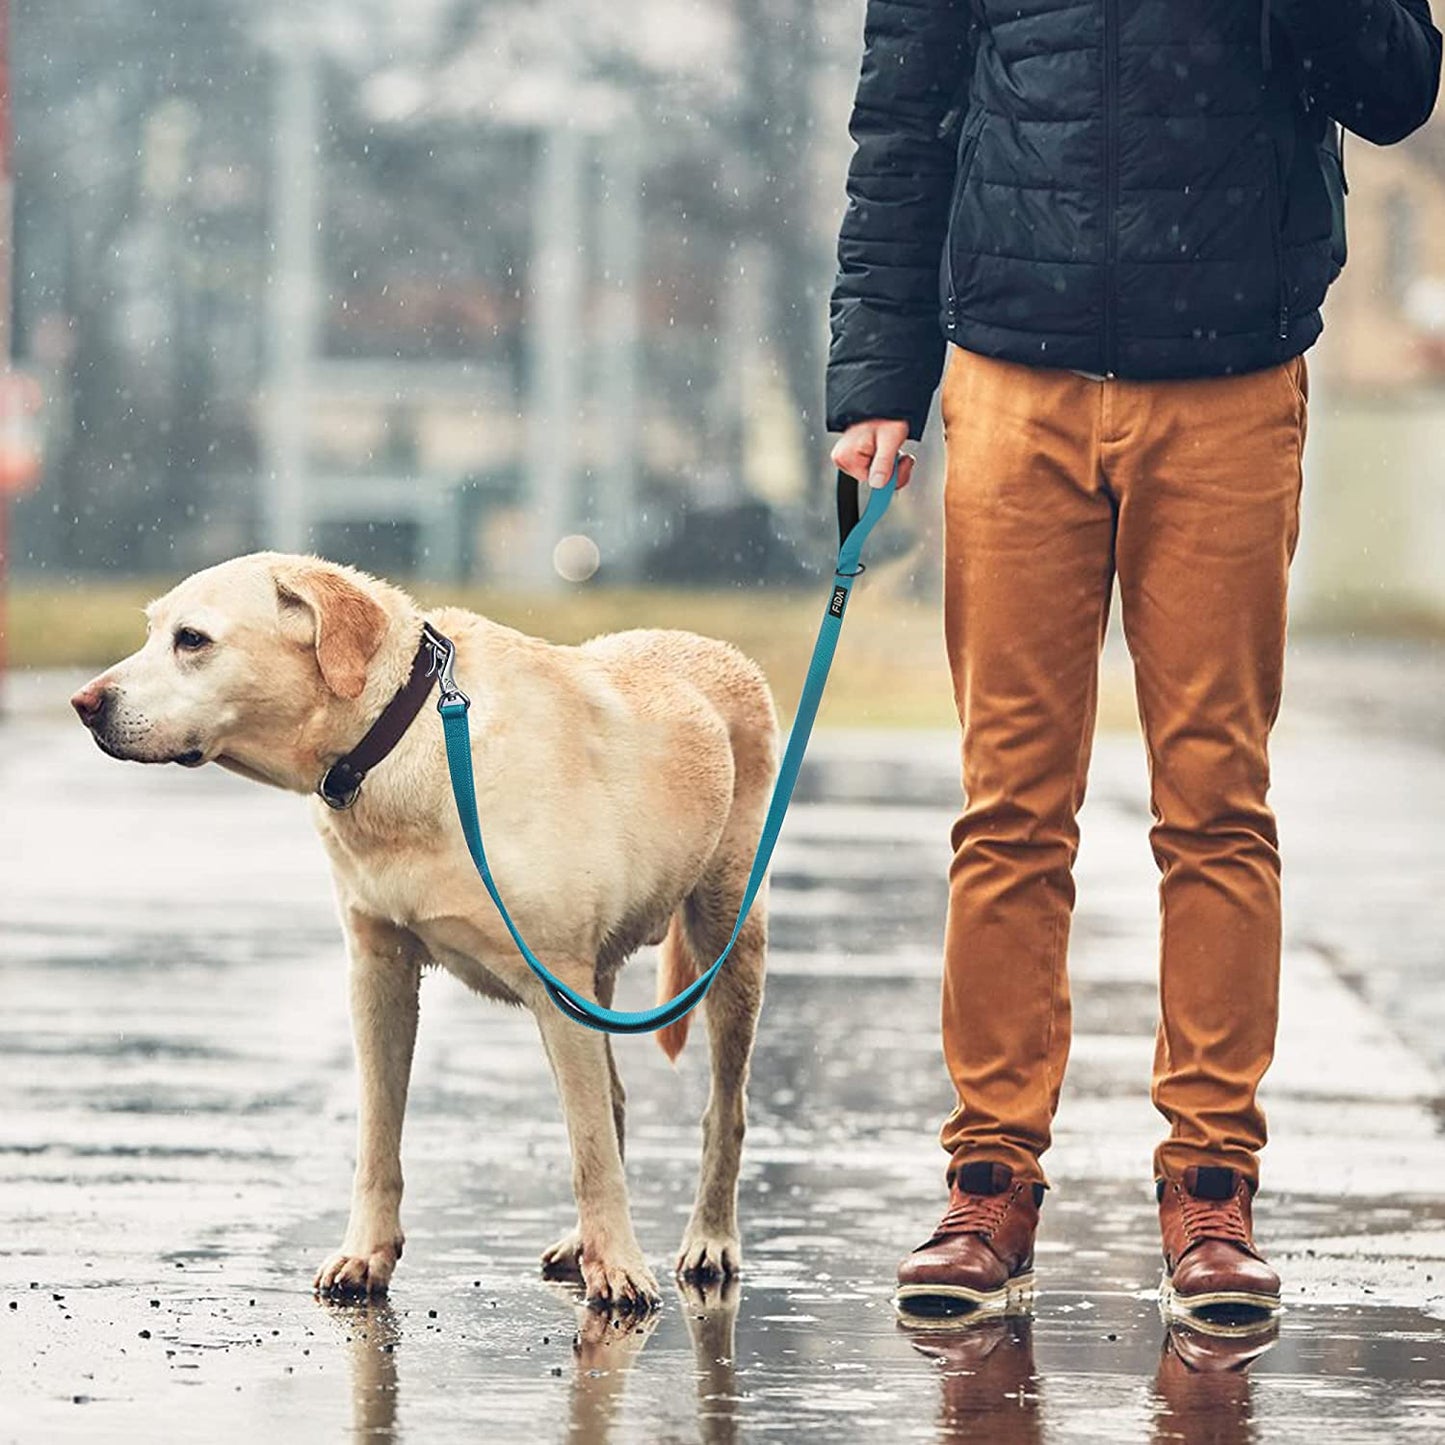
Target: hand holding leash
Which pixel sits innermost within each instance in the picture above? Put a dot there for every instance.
(872, 452)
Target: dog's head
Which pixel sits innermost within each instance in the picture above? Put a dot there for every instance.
(257, 663)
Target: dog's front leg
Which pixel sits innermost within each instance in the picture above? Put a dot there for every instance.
(385, 979)
(613, 1268)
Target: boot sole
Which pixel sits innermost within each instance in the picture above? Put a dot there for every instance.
(1222, 1311)
(952, 1303)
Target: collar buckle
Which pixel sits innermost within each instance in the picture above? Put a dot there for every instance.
(340, 786)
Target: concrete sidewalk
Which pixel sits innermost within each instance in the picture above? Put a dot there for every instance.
(176, 1137)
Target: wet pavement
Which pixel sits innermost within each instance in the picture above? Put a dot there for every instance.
(177, 1127)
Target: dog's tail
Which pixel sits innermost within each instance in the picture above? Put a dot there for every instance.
(677, 969)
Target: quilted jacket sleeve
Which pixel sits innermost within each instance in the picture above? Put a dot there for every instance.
(887, 347)
(1373, 64)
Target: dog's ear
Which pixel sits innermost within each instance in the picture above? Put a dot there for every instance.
(346, 625)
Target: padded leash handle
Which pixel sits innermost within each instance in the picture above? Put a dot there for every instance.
(848, 510)
(854, 525)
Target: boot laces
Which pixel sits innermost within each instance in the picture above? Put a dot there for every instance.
(976, 1213)
(1214, 1219)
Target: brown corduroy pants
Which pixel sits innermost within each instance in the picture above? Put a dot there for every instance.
(1189, 490)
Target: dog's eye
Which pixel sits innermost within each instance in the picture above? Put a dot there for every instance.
(187, 639)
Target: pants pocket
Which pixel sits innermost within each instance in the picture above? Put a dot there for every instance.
(949, 387)
(1296, 374)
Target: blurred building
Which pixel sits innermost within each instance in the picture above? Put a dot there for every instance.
(1374, 528)
(422, 286)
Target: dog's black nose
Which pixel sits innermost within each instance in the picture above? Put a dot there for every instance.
(90, 702)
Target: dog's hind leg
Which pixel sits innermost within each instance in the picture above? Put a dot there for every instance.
(613, 1268)
(711, 1248)
(563, 1260)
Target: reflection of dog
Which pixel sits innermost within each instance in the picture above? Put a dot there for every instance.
(607, 1345)
(372, 1333)
(622, 783)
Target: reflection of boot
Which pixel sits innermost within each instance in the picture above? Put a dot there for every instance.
(990, 1390)
(1202, 1386)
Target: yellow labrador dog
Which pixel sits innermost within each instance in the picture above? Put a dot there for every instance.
(623, 785)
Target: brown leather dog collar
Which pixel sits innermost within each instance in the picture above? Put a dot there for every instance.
(341, 783)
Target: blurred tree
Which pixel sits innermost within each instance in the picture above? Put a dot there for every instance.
(143, 155)
(781, 54)
(138, 235)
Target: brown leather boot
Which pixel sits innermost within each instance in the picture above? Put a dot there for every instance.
(1212, 1269)
(981, 1255)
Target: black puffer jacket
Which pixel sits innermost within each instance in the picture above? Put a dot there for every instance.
(1125, 186)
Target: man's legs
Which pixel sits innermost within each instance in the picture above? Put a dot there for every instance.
(1208, 477)
(1028, 553)
(1194, 487)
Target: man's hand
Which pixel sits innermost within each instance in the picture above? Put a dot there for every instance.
(868, 449)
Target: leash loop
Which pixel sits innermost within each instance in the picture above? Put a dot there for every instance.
(854, 527)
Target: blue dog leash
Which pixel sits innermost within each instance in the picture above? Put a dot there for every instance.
(853, 531)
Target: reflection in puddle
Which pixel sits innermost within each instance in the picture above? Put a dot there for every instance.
(608, 1344)
(988, 1382)
(605, 1348)
(1202, 1387)
(712, 1314)
(990, 1388)
(372, 1333)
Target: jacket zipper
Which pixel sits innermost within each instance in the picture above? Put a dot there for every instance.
(1276, 210)
(1111, 180)
(1276, 217)
(968, 142)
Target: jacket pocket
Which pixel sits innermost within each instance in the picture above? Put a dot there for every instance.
(967, 146)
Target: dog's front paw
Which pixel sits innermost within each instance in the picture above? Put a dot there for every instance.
(619, 1279)
(358, 1272)
(709, 1255)
(564, 1259)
